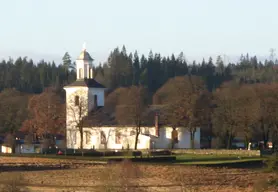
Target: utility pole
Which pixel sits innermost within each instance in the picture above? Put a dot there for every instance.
(226, 59)
(272, 54)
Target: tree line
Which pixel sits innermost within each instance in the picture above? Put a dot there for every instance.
(235, 109)
(124, 69)
(226, 88)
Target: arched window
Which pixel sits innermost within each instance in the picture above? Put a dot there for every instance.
(102, 138)
(118, 136)
(88, 137)
(91, 73)
(76, 100)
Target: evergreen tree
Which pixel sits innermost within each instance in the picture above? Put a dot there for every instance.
(67, 61)
(136, 69)
(68, 65)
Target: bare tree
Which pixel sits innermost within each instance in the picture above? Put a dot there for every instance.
(249, 110)
(187, 103)
(272, 112)
(46, 114)
(262, 93)
(130, 110)
(172, 119)
(268, 109)
(237, 110)
(226, 115)
(15, 105)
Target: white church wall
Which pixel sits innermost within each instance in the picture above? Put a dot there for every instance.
(165, 138)
(184, 139)
(128, 141)
(72, 138)
(92, 138)
(165, 135)
(125, 139)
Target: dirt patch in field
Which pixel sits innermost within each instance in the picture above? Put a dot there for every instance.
(128, 176)
(40, 164)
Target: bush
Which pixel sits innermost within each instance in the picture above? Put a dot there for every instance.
(136, 153)
(94, 153)
(163, 152)
(266, 152)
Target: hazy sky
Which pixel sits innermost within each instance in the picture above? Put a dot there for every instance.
(49, 28)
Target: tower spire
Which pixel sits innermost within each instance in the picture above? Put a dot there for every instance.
(84, 46)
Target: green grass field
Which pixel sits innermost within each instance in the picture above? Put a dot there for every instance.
(196, 157)
(217, 161)
(184, 159)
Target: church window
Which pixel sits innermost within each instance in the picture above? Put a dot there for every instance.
(118, 137)
(73, 134)
(132, 132)
(88, 138)
(91, 73)
(102, 138)
(76, 100)
(175, 136)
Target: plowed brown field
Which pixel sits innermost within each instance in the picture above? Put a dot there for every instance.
(88, 176)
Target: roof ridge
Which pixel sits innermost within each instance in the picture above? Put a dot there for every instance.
(86, 82)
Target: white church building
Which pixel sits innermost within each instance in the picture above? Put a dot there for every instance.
(86, 95)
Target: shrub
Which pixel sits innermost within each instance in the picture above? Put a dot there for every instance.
(162, 152)
(94, 153)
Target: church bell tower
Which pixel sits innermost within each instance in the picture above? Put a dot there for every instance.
(84, 65)
(82, 96)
